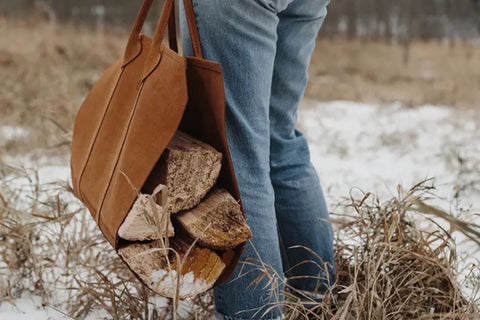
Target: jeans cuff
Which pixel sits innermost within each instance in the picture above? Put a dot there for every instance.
(220, 316)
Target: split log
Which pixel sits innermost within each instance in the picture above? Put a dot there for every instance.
(199, 267)
(146, 221)
(189, 168)
(217, 222)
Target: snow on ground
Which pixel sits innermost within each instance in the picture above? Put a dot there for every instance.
(8, 133)
(373, 148)
(24, 309)
(29, 308)
(358, 147)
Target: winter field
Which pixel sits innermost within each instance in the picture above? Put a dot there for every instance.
(401, 176)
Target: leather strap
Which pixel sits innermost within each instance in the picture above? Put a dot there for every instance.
(172, 31)
(162, 25)
(134, 45)
(192, 27)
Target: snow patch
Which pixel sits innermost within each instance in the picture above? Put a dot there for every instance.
(167, 282)
(13, 133)
(375, 148)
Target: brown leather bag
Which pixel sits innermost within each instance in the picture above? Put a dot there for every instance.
(132, 113)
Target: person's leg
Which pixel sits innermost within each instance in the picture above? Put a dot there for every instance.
(300, 205)
(241, 36)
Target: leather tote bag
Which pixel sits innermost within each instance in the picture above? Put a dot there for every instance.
(132, 113)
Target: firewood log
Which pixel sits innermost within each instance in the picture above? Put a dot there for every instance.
(217, 222)
(158, 267)
(189, 168)
(146, 221)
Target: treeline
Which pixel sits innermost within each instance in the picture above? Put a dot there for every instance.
(396, 20)
(403, 19)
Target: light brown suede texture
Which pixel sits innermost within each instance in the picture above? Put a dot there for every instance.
(132, 113)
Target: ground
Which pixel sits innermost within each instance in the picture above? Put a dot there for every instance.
(371, 128)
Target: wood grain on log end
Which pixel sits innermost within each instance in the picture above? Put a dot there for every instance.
(189, 168)
(199, 269)
(217, 222)
(146, 221)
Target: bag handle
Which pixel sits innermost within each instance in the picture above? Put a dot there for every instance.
(172, 32)
(134, 46)
(192, 27)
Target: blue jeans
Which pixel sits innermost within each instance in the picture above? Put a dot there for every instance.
(264, 48)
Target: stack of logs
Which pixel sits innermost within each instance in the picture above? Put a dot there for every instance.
(178, 224)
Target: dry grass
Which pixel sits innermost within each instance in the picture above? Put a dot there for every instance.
(50, 247)
(375, 72)
(46, 71)
(388, 268)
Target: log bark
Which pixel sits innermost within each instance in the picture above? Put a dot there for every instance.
(217, 222)
(158, 268)
(189, 168)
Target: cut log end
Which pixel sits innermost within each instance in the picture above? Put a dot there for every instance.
(217, 222)
(199, 267)
(146, 221)
(189, 168)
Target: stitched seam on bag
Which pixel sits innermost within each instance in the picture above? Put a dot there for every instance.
(90, 151)
(106, 230)
(91, 208)
(121, 149)
(130, 60)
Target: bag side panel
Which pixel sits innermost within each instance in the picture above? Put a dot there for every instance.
(158, 112)
(88, 121)
(204, 119)
(105, 152)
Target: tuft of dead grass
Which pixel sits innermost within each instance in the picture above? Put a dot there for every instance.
(391, 269)
(387, 267)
